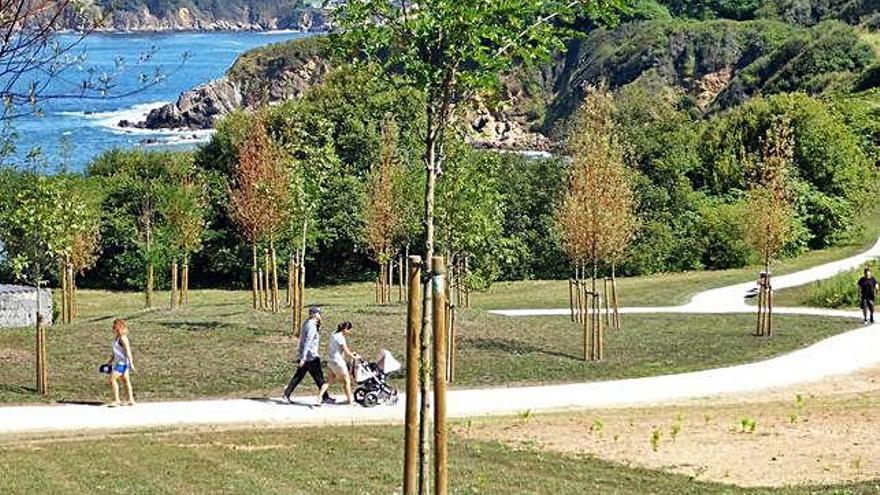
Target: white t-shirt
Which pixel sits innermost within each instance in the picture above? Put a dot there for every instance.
(336, 352)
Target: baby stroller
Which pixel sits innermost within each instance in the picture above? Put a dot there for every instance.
(370, 377)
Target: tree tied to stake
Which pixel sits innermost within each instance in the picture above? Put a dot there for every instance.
(771, 218)
(596, 216)
(384, 208)
(258, 196)
(450, 50)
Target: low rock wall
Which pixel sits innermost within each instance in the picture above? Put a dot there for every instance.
(18, 306)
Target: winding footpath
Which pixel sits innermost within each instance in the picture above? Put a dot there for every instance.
(840, 354)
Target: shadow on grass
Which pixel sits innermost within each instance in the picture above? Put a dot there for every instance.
(509, 346)
(189, 326)
(17, 389)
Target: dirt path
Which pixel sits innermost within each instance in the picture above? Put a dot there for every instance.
(819, 433)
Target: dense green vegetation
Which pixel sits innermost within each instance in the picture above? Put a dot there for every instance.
(361, 459)
(695, 93)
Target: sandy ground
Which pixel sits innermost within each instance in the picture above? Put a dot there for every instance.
(818, 433)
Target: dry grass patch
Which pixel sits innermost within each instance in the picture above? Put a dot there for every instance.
(804, 439)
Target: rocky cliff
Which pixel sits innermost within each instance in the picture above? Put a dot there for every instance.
(197, 15)
(711, 65)
(265, 75)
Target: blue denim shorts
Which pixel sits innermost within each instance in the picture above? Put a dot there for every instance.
(121, 367)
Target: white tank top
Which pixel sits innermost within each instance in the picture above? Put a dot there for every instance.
(119, 350)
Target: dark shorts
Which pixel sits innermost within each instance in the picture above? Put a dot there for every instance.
(867, 303)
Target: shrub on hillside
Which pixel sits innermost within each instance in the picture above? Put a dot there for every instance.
(839, 291)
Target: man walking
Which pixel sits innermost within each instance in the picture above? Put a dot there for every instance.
(309, 359)
(867, 292)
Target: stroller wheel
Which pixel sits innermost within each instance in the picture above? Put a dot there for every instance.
(359, 394)
(371, 399)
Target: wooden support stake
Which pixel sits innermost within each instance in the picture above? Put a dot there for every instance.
(276, 304)
(759, 325)
(614, 302)
(452, 346)
(769, 308)
(607, 308)
(289, 297)
(174, 284)
(41, 354)
(294, 299)
(149, 289)
(63, 292)
(267, 286)
(438, 269)
(260, 287)
(411, 423)
(600, 336)
(254, 280)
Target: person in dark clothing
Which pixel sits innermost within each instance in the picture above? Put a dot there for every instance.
(309, 358)
(867, 292)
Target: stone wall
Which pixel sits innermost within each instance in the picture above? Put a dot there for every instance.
(18, 306)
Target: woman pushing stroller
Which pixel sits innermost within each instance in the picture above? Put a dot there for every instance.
(338, 356)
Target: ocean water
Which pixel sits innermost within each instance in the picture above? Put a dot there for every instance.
(72, 131)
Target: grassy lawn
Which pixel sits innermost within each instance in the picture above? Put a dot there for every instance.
(324, 460)
(218, 347)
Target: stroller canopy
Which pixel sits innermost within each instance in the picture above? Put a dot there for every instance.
(386, 362)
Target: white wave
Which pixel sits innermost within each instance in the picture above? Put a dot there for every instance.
(281, 31)
(111, 118)
(179, 138)
(138, 113)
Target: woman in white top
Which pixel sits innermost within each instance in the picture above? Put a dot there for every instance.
(121, 364)
(338, 356)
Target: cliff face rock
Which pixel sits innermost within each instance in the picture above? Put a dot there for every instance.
(198, 108)
(288, 83)
(266, 75)
(247, 18)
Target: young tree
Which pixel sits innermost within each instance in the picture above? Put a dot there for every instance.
(771, 210)
(258, 199)
(470, 216)
(596, 215)
(137, 183)
(31, 223)
(449, 50)
(184, 210)
(382, 220)
(79, 240)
